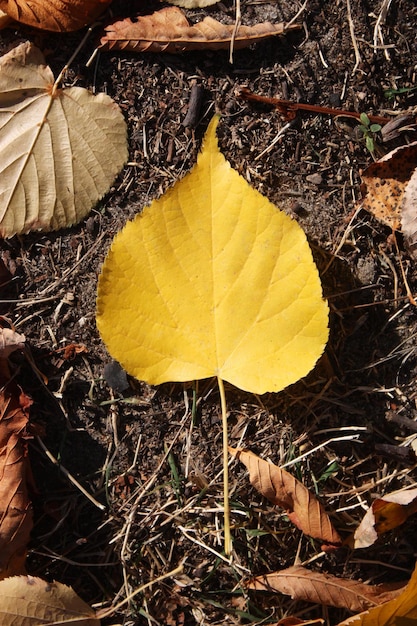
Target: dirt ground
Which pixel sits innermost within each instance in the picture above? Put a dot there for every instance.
(152, 456)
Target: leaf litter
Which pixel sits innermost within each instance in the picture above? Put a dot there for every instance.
(285, 427)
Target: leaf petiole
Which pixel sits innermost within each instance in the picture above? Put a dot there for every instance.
(227, 536)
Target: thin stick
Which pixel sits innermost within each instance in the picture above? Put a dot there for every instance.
(358, 58)
(227, 536)
(238, 19)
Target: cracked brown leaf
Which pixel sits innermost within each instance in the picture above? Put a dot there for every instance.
(303, 584)
(54, 15)
(29, 601)
(15, 506)
(60, 150)
(168, 30)
(281, 488)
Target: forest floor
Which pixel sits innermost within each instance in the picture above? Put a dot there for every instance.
(153, 456)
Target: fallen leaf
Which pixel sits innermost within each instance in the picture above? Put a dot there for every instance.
(384, 184)
(281, 488)
(168, 30)
(385, 514)
(213, 280)
(409, 214)
(193, 4)
(308, 586)
(10, 341)
(28, 601)
(59, 151)
(55, 15)
(401, 611)
(15, 506)
(5, 20)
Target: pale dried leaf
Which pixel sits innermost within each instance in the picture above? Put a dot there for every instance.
(385, 514)
(409, 214)
(281, 488)
(55, 15)
(303, 584)
(168, 30)
(28, 601)
(10, 341)
(59, 152)
(193, 4)
(401, 611)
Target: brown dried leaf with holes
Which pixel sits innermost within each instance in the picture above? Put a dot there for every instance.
(308, 586)
(281, 488)
(54, 15)
(168, 30)
(384, 185)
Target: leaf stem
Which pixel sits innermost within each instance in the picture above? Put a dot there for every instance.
(227, 536)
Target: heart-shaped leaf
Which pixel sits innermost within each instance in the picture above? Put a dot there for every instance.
(213, 280)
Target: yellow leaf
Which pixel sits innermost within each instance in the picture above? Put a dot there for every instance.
(60, 150)
(402, 611)
(213, 280)
(28, 601)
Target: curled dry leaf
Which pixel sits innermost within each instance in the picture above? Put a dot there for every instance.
(281, 488)
(385, 514)
(384, 184)
(168, 30)
(60, 150)
(15, 506)
(303, 584)
(28, 601)
(10, 341)
(55, 15)
(400, 611)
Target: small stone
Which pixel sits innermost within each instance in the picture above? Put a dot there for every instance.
(315, 179)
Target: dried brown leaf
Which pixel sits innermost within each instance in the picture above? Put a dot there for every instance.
(385, 514)
(55, 15)
(281, 488)
(15, 506)
(384, 184)
(168, 30)
(303, 584)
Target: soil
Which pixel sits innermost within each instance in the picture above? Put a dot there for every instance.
(153, 456)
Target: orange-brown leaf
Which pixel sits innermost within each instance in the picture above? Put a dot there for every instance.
(15, 506)
(385, 514)
(281, 488)
(55, 15)
(303, 584)
(168, 30)
(384, 183)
